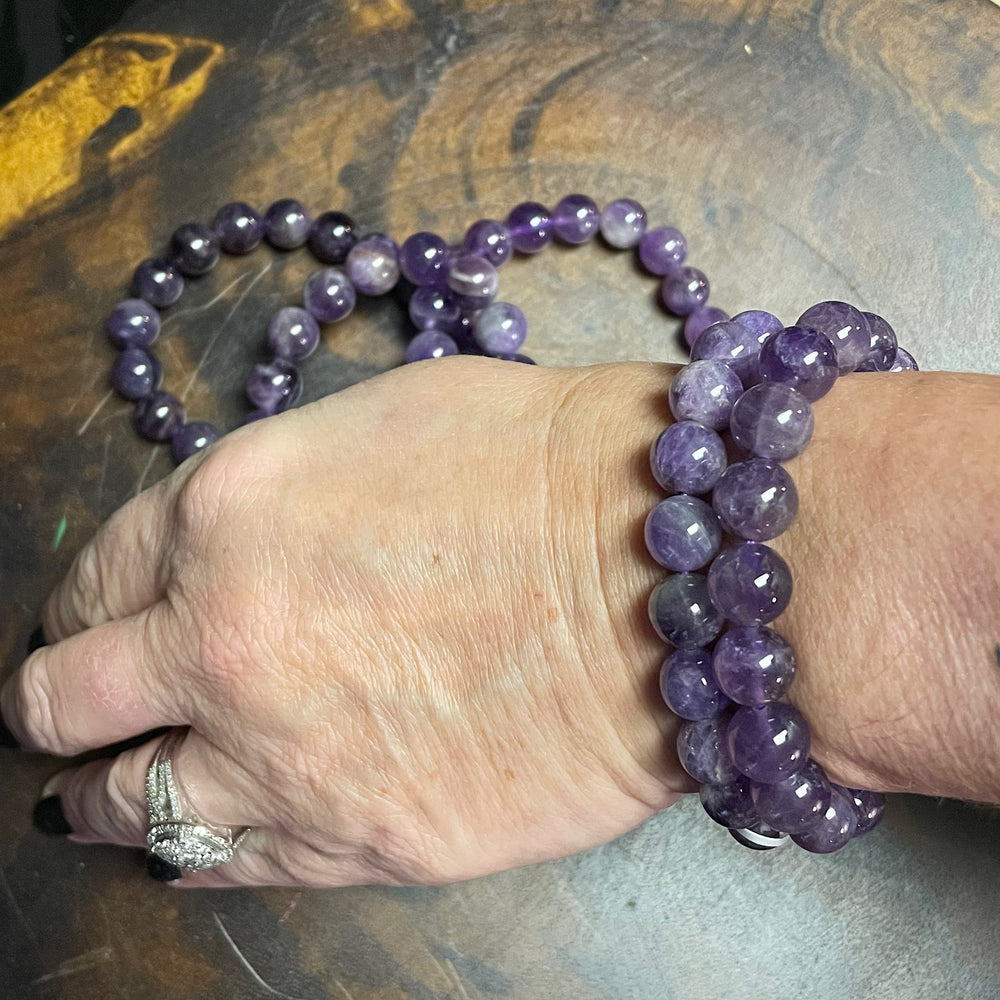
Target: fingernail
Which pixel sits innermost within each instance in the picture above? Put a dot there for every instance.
(160, 870)
(49, 817)
(7, 739)
(36, 640)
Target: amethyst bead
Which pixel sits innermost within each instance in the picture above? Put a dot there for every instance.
(731, 804)
(274, 386)
(332, 237)
(191, 439)
(623, 222)
(473, 280)
(705, 392)
(756, 499)
(159, 282)
(772, 420)
(750, 583)
(422, 259)
(882, 346)
(133, 323)
(687, 458)
(135, 373)
(490, 239)
(688, 686)
(194, 249)
(500, 328)
(759, 322)
(904, 362)
(732, 343)
(530, 226)
(433, 309)
(238, 227)
(682, 533)
(768, 742)
(702, 751)
(684, 290)
(847, 329)
(329, 295)
(576, 219)
(662, 250)
(682, 612)
(869, 807)
(373, 264)
(430, 344)
(800, 357)
(159, 416)
(753, 664)
(287, 224)
(795, 804)
(699, 320)
(831, 831)
(292, 333)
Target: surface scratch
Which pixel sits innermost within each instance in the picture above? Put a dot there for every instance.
(458, 979)
(88, 960)
(97, 409)
(343, 988)
(104, 472)
(246, 965)
(8, 892)
(145, 472)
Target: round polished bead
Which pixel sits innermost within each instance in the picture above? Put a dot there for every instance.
(473, 280)
(159, 282)
(768, 742)
(700, 320)
(702, 751)
(705, 392)
(133, 323)
(831, 831)
(238, 227)
(662, 249)
(687, 458)
(869, 807)
(684, 290)
(846, 327)
(159, 416)
(753, 664)
(682, 533)
(292, 333)
(772, 420)
(530, 226)
(194, 249)
(490, 239)
(329, 295)
(623, 222)
(688, 686)
(191, 439)
(759, 322)
(756, 499)
(750, 583)
(287, 224)
(500, 328)
(332, 236)
(434, 309)
(429, 344)
(732, 343)
(422, 258)
(882, 349)
(800, 357)
(373, 264)
(576, 219)
(731, 805)
(135, 373)
(274, 385)
(796, 803)
(682, 612)
(760, 837)
(904, 362)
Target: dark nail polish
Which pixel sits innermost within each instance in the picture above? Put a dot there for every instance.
(49, 817)
(36, 640)
(7, 739)
(160, 870)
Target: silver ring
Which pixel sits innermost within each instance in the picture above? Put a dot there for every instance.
(178, 838)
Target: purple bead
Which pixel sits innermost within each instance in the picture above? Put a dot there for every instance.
(750, 583)
(430, 344)
(373, 264)
(194, 249)
(702, 751)
(768, 742)
(904, 362)
(274, 386)
(238, 227)
(684, 290)
(623, 222)
(846, 327)
(135, 373)
(422, 258)
(682, 612)
(731, 804)
(332, 236)
(831, 831)
(732, 343)
(869, 807)
(133, 323)
(473, 280)
(759, 322)
(682, 533)
(800, 357)
(699, 320)
(760, 837)
(662, 250)
(705, 392)
(191, 439)
(500, 328)
(434, 309)
(530, 226)
(753, 664)
(329, 295)
(756, 499)
(490, 239)
(159, 416)
(882, 349)
(158, 281)
(576, 219)
(772, 420)
(287, 224)
(688, 687)
(687, 458)
(292, 333)
(796, 803)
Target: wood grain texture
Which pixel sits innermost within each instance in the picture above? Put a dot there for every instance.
(839, 149)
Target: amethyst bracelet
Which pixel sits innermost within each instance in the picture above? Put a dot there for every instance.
(750, 377)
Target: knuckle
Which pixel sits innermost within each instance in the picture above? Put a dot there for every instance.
(44, 725)
(123, 800)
